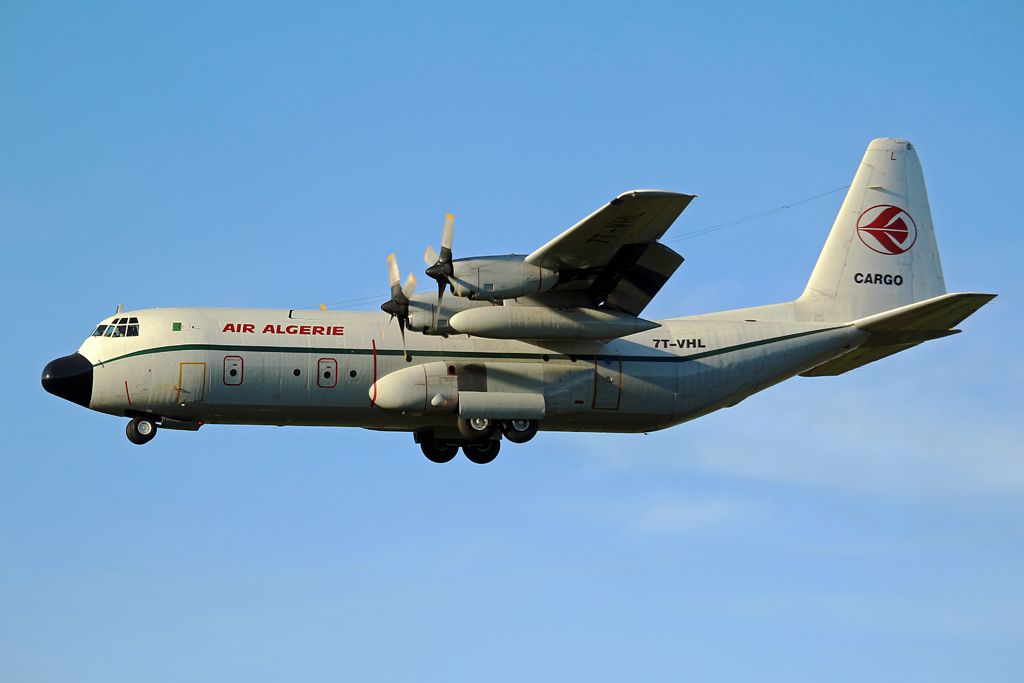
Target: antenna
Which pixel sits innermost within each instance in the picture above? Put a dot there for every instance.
(120, 308)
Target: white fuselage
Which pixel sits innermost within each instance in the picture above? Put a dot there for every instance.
(876, 289)
(298, 367)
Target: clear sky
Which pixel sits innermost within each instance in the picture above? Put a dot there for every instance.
(866, 527)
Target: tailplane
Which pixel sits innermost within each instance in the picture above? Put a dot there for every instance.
(898, 330)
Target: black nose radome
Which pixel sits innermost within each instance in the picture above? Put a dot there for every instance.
(70, 378)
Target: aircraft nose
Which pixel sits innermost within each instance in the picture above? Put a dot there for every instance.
(70, 378)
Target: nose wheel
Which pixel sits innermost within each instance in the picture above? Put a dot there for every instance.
(140, 430)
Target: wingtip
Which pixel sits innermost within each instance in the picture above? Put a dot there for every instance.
(649, 193)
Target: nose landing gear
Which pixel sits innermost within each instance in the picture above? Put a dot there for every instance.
(140, 430)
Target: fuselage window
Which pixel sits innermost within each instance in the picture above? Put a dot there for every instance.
(100, 329)
(234, 371)
(327, 373)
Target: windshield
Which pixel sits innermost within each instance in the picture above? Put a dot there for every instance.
(119, 327)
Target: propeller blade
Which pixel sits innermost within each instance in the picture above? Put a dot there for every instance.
(401, 331)
(437, 308)
(394, 275)
(440, 265)
(410, 287)
(393, 272)
(448, 234)
(398, 304)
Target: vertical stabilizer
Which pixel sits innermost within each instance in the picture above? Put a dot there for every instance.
(881, 253)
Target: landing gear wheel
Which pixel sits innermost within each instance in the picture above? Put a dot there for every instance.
(519, 431)
(140, 430)
(437, 452)
(477, 428)
(482, 453)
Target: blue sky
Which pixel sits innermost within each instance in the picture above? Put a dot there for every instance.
(866, 527)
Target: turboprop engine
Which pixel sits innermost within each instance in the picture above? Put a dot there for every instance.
(486, 278)
(423, 313)
(493, 278)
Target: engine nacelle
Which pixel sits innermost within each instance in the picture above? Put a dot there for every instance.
(493, 278)
(421, 311)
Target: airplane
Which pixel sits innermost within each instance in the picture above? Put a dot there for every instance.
(552, 340)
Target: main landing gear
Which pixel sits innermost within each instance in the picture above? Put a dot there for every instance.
(483, 452)
(480, 439)
(479, 452)
(140, 430)
(437, 451)
(520, 431)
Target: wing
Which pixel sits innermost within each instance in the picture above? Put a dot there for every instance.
(612, 258)
(636, 217)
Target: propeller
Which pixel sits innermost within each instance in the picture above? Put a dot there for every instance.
(439, 266)
(398, 304)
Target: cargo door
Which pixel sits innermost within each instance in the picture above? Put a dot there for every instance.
(607, 384)
(191, 383)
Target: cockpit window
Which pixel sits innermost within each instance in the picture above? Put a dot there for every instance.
(119, 327)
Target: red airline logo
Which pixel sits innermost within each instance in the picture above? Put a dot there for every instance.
(887, 229)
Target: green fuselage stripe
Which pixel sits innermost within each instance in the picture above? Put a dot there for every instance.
(493, 355)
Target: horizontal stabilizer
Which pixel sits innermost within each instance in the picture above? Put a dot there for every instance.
(936, 314)
(905, 327)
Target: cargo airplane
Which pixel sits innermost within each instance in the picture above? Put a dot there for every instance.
(552, 340)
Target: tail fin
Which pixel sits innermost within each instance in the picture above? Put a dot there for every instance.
(881, 253)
